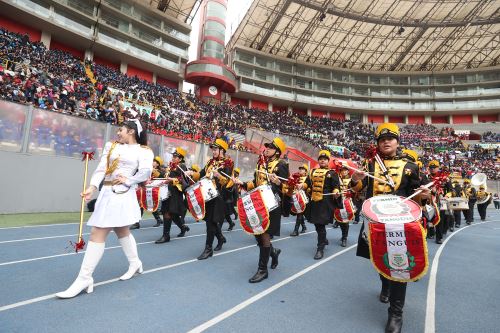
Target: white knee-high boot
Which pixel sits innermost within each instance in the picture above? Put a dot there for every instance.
(129, 247)
(93, 255)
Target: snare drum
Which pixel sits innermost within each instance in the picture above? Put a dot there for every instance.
(458, 203)
(396, 238)
(198, 194)
(164, 192)
(346, 214)
(299, 202)
(208, 189)
(270, 199)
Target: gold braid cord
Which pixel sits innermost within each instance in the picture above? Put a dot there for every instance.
(114, 164)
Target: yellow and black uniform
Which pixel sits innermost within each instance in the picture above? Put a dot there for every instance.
(174, 207)
(279, 167)
(300, 221)
(481, 207)
(215, 209)
(456, 191)
(319, 212)
(471, 194)
(405, 176)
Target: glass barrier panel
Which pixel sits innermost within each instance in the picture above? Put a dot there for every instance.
(12, 120)
(63, 135)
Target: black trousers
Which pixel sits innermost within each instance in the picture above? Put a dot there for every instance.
(470, 212)
(321, 231)
(445, 222)
(458, 218)
(397, 294)
(482, 210)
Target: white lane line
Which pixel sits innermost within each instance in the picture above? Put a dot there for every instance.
(430, 311)
(108, 248)
(38, 226)
(264, 293)
(162, 268)
(73, 235)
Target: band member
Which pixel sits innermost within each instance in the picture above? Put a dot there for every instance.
(158, 172)
(195, 168)
(174, 207)
(229, 193)
(482, 195)
(322, 180)
(406, 181)
(345, 179)
(269, 168)
(300, 220)
(218, 168)
(446, 217)
(456, 192)
(124, 163)
(470, 193)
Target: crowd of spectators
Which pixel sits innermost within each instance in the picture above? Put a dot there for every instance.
(55, 80)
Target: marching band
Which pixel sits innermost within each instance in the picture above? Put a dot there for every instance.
(398, 196)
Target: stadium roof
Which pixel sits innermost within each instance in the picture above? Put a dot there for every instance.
(392, 35)
(184, 10)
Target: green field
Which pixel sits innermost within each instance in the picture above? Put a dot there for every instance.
(18, 220)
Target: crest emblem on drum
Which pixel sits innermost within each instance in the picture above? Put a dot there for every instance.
(401, 261)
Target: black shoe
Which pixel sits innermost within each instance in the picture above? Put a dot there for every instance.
(274, 257)
(394, 323)
(384, 297)
(468, 222)
(207, 253)
(231, 226)
(184, 229)
(344, 243)
(235, 216)
(259, 276)
(327, 242)
(457, 226)
(295, 232)
(135, 226)
(304, 228)
(335, 225)
(439, 241)
(163, 239)
(220, 242)
(452, 229)
(157, 224)
(319, 254)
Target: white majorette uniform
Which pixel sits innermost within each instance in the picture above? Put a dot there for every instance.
(114, 208)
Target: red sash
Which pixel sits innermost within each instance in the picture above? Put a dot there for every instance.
(254, 216)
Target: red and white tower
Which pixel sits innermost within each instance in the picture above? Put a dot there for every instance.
(208, 72)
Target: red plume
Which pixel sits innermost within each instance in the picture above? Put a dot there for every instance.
(77, 246)
(370, 152)
(262, 160)
(228, 164)
(337, 166)
(293, 180)
(172, 165)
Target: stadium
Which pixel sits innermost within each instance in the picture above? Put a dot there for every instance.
(292, 121)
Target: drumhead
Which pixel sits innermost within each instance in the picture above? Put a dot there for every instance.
(391, 209)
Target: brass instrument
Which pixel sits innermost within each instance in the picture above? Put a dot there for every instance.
(478, 181)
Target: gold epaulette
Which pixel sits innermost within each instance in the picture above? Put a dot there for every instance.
(147, 147)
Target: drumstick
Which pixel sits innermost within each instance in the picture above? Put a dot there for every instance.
(366, 174)
(384, 170)
(419, 191)
(184, 172)
(267, 173)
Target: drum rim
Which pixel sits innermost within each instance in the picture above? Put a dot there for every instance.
(371, 220)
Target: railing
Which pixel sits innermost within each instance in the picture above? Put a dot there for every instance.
(28, 130)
